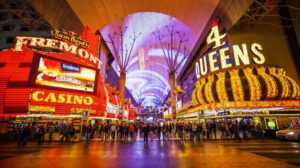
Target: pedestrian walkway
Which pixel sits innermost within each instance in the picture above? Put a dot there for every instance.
(284, 151)
(133, 154)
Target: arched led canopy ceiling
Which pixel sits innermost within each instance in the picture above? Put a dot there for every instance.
(149, 83)
(97, 14)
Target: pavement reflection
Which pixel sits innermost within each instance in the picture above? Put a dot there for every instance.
(155, 154)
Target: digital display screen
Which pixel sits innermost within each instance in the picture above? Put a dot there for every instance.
(65, 75)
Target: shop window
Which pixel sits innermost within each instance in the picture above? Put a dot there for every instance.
(10, 40)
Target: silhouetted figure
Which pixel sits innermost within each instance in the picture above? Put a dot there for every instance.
(146, 130)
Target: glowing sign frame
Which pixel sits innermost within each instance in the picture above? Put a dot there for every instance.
(35, 68)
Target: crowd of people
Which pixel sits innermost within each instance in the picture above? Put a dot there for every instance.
(182, 131)
(131, 131)
(26, 131)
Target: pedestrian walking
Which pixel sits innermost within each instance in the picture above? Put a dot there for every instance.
(235, 130)
(88, 132)
(260, 132)
(146, 130)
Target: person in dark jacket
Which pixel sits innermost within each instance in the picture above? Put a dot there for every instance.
(235, 130)
(199, 133)
(146, 130)
(25, 134)
(158, 131)
(88, 132)
(41, 134)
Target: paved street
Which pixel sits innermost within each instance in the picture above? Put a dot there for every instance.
(156, 154)
(284, 151)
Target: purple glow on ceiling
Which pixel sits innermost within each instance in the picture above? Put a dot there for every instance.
(154, 78)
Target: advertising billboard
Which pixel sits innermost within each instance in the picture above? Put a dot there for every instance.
(60, 74)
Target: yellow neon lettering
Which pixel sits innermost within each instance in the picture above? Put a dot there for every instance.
(256, 48)
(224, 57)
(19, 43)
(212, 61)
(83, 53)
(240, 55)
(35, 96)
(69, 99)
(51, 43)
(61, 98)
(88, 100)
(52, 98)
(77, 99)
(65, 46)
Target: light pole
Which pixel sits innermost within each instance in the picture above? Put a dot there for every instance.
(123, 55)
(172, 48)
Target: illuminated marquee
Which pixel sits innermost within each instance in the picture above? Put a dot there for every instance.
(77, 110)
(56, 44)
(220, 53)
(64, 75)
(41, 109)
(41, 96)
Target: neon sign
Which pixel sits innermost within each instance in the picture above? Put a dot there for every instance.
(70, 68)
(56, 44)
(63, 75)
(220, 53)
(41, 96)
(69, 36)
(41, 109)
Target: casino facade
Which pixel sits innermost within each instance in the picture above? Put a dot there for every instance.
(61, 84)
(240, 76)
